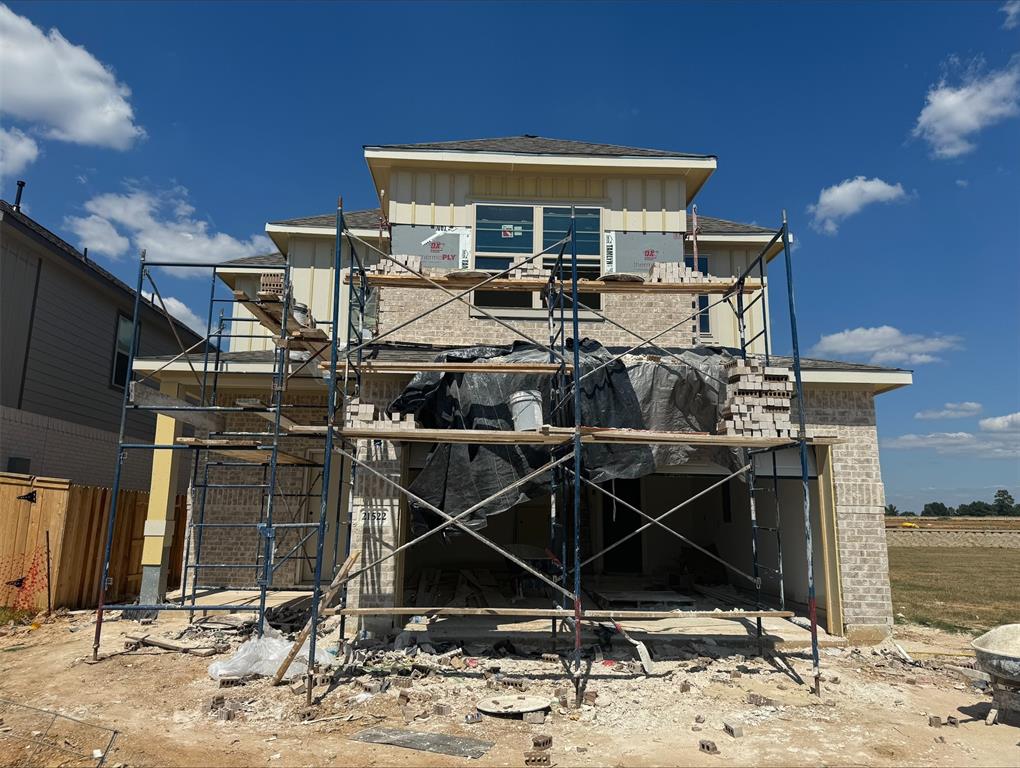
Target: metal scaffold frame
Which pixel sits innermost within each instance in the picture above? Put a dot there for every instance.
(566, 435)
(253, 450)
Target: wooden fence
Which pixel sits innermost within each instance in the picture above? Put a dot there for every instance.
(76, 518)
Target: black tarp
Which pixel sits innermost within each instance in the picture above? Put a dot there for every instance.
(673, 394)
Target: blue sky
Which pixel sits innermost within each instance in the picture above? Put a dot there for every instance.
(889, 131)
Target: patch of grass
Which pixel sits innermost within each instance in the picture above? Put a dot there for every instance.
(961, 589)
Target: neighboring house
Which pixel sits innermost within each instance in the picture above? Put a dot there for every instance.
(67, 327)
(510, 198)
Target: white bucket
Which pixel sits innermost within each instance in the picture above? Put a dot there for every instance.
(526, 410)
(301, 314)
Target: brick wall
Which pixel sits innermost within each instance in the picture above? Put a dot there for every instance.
(453, 324)
(860, 506)
(64, 449)
(378, 515)
(247, 505)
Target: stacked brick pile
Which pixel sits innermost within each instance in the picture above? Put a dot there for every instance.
(675, 272)
(387, 267)
(757, 400)
(271, 282)
(362, 415)
(530, 271)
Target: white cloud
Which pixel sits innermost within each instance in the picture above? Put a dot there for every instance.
(1003, 424)
(1012, 11)
(963, 183)
(98, 235)
(982, 445)
(951, 411)
(16, 151)
(163, 222)
(62, 88)
(885, 345)
(952, 114)
(181, 311)
(841, 200)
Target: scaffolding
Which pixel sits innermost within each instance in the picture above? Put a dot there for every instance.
(564, 436)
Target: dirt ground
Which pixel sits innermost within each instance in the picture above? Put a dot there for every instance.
(873, 710)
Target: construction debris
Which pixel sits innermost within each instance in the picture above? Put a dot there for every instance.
(541, 741)
(536, 758)
(708, 747)
(137, 641)
(733, 729)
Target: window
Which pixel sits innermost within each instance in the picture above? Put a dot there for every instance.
(122, 350)
(503, 229)
(504, 233)
(556, 225)
(704, 323)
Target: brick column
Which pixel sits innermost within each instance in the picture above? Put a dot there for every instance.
(377, 510)
(860, 508)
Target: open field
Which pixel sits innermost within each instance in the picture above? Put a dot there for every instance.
(957, 588)
(956, 523)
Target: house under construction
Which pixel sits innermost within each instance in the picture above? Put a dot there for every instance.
(534, 388)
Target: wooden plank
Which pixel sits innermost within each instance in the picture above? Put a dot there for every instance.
(13, 512)
(172, 645)
(556, 613)
(246, 450)
(456, 366)
(95, 517)
(558, 436)
(720, 286)
(143, 395)
(311, 339)
(473, 436)
(58, 539)
(286, 423)
(327, 598)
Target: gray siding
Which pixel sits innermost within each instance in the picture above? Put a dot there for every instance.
(19, 268)
(70, 357)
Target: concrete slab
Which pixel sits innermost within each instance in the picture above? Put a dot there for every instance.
(780, 634)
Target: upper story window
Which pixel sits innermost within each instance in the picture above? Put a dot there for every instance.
(122, 350)
(556, 226)
(504, 233)
(704, 323)
(504, 229)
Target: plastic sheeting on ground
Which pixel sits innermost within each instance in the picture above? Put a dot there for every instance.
(264, 655)
(675, 394)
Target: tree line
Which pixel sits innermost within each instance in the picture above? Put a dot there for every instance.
(1002, 505)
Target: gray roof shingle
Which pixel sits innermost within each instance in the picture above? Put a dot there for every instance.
(708, 225)
(528, 144)
(262, 260)
(367, 219)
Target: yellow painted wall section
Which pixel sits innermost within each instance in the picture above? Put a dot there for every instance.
(434, 198)
(162, 486)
